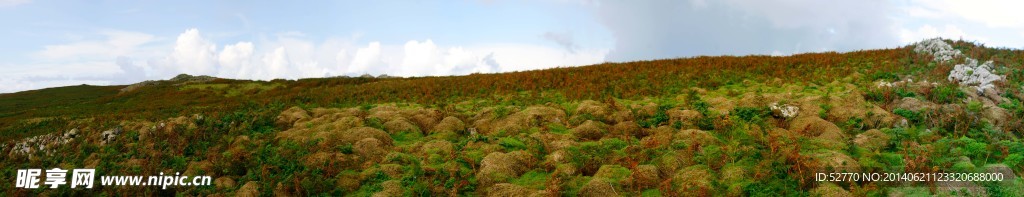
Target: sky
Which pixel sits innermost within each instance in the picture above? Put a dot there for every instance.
(47, 43)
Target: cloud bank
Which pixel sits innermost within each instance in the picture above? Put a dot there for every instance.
(138, 56)
(669, 29)
(641, 30)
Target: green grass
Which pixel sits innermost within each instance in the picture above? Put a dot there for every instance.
(535, 179)
(913, 117)
(235, 89)
(511, 144)
(406, 137)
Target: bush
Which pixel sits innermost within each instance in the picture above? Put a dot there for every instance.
(904, 92)
(971, 148)
(511, 144)
(825, 108)
(946, 94)
(534, 179)
(375, 123)
(751, 114)
(974, 106)
(884, 75)
(911, 116)
(1014, 160)
(557, 128)
(658, 118)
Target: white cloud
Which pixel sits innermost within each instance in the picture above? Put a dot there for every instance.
(236, 60)
(12, 3)
(948, 31)
(420, 58)
(44, 75)
(117, 43)
(994, 13)
(365, 59)
(128, 57)
(518, 57)
(563, 39)
(194, 54)
(21, 84)
(646, 30)
(276, 64)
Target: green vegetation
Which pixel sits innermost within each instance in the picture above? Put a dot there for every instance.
(680, 127)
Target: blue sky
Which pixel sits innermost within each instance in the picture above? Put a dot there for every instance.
(59, 43)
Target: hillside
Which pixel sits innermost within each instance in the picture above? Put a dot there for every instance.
(724, 126)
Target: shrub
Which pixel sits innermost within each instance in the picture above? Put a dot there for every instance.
(511, 144)
(974, 106)
(971, 148)
(375, 123)
(590, 155)
(345, 148)
(945, 94)
(911, 116)
(534, 179)
(1014, 160)
(825, 108)
(658, 118)
(751, 114)
(557, 128)
(904, 92)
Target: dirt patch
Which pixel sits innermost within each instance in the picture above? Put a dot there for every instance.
(693, 181)
(321, 112)
(721, 105)
(813, 126)
(877, 118)
(250, 189)
(598, 187)
(224, 183)
(353, 135)
(328, 159)
(499, 167)
(370, 149)
(449, 124)
(829, 189)
(424, 118)
(562, 144)
(384, 113)
(508, 190)
(914, 104)
(670, 162)
(589, 130)
(400, 124)
(687, 117)
(441, 147)
(291, 115)
(872, 139)
(199, 168)
(733, 173)
(593, 108)
(696, 138)
(628, 128)
(661, 136)
(556, 157)
(622, 115)
(348, 181)
(488, 122)
(837, 161)
(645, 176)
(392, 188)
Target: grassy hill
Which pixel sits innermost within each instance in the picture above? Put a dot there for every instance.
(725, 125)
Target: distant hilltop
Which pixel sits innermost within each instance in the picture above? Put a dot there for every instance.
(177, 80)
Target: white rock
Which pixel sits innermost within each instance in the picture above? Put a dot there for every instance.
(784, 111)
(972, 74)
(937, 48)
